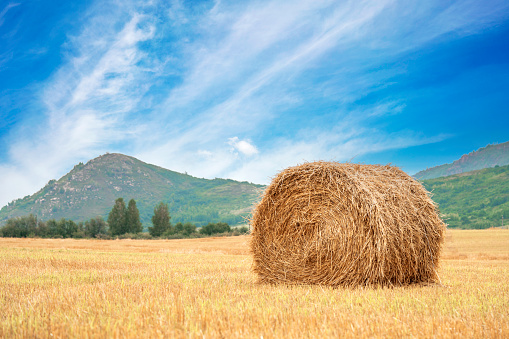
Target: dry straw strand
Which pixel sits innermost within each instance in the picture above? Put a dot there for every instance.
(346, 224)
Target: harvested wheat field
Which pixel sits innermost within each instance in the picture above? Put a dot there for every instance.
(343, 224)
(206, 288)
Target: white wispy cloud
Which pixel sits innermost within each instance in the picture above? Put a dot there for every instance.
(85, 104)
(272, 47)
(6, 9)
(6, 54)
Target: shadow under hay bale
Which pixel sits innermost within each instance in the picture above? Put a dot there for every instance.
(346, 225)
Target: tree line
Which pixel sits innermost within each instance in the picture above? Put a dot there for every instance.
(122, 222)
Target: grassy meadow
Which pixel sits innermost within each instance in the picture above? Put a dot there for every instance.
(205, 288)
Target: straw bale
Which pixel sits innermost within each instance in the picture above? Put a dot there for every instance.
(346, 225)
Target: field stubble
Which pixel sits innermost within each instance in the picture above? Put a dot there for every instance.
(205, 288)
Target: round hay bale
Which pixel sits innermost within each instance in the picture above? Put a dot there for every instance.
(346, 225)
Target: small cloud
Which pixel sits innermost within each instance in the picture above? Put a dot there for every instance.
(243, 146)
(205, 153)
(37, 51)
(388, 108)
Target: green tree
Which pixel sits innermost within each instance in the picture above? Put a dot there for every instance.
(243, 230)
(211, 228)
(25, 226)
(160, 220)
(133, 218)
(95, 227)
(20, 227)
(117, 218)
(208, 229)
(53, 230)
(67, 228)
(42, 230)
(189, 229)
(185, 229)
(178, 228)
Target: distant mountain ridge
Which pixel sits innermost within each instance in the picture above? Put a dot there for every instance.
(476, 199)
(486, 157)
(90, 189)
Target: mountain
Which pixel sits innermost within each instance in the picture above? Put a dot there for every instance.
(486, 157)
(90, 189)
(476, 199)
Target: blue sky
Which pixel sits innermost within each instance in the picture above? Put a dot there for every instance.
(243, 89)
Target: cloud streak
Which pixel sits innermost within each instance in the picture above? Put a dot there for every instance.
(86, 103)
(5, 10)
(257, 52)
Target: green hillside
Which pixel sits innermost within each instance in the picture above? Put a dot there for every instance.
(486, 157)
(476, 199)
(90, 189)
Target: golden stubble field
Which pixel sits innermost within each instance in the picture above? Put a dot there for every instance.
(205, 288)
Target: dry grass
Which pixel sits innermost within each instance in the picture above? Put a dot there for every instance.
(205, 288)
(343, 224)
(220, 245)
(489, 244)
